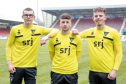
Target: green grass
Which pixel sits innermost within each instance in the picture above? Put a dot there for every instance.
(43, 75)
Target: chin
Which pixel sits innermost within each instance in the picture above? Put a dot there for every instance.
(28, 22)
(99, 24)
(65, 29)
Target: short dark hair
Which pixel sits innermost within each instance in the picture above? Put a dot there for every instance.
(65, 16)
(28, 9)
(99, 9)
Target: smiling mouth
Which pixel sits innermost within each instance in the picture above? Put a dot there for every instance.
(28, 20)
(98, 20)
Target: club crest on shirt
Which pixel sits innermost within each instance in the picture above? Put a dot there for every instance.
(106, 33)
(71, 39)
(33, 31)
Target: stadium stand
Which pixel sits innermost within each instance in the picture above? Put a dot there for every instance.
(5, 26)
(115, 22)
(83, 16)
(87, 23)
(56, 24)
(4, 31)
(84, 24)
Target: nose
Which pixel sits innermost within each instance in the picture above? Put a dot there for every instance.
(65, 23)
(28, 16)
(98, 16)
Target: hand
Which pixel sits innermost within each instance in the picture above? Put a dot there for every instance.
(75, 31)
(112, 75)
(11, 68)
(44, 39)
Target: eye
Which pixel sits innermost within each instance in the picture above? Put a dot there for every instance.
(96, 16)
(67, 22)
(63, 21)
(30, 15)
(100, 15)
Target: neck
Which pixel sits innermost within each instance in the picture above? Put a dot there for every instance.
(65, 32)
(27, 25)
(100, 27)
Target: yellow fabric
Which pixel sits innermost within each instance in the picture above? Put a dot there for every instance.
(53, 33)
(104, 48)
(23, 45)
(65, 52)
(118, 56)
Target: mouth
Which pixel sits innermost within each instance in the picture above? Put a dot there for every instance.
(28, 20)
(98, 20)
(64, 27)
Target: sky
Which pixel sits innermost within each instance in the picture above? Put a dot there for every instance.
(12, 9)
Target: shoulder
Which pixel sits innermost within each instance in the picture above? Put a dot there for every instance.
(57, 34)
(87, 31)
(38, 27)
(77, 37)
(16, 27)
(111, 29)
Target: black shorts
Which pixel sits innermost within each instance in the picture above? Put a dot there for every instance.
(28, 74)
(57, 78)
(100, 78)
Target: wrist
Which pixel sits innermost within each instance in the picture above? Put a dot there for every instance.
(9, 62)
(114, 70)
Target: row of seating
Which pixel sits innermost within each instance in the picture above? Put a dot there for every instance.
(87, 23)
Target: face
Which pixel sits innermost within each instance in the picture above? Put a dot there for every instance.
(99, 18)
(65, 24)
(28, 17)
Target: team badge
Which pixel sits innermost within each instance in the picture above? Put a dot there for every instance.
(106, 33)
(33, 31)
(71, 39)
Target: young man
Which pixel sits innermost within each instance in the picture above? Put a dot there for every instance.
(65, 49)
(22, 49)
(104, 50)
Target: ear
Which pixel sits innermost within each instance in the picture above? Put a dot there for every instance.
(105, 17)
(34, 17)
(93, 18)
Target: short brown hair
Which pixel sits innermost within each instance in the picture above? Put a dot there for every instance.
(65, 16)
(99, 9)
(28, 9)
